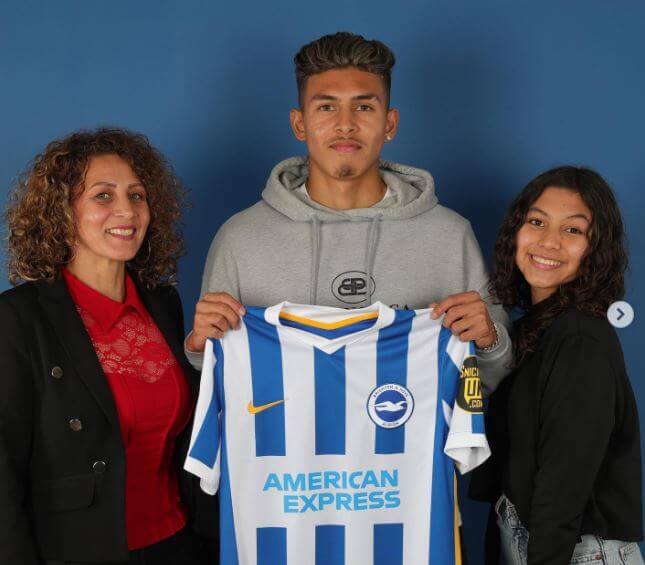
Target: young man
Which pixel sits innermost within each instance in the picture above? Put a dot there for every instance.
(342, 228)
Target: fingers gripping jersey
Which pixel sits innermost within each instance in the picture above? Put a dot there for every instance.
(333, 436)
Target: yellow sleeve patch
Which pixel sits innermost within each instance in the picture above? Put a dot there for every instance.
(469, 396)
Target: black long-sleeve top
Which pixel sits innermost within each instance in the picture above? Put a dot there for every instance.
(564, 432)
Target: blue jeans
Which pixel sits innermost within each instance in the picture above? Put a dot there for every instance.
(591, 549)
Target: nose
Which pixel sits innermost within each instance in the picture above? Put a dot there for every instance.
(550, 239)
(124, 208)
(346, 122)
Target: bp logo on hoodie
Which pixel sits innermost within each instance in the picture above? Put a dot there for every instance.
(350, 287)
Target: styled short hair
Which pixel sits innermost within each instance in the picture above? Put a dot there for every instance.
(40, 220)
(340, 51)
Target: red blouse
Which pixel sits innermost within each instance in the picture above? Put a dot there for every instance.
(153, 401)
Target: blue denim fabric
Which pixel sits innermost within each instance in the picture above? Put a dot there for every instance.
(591, 549)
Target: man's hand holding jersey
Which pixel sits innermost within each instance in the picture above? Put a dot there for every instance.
(466, 315)
(215, 314)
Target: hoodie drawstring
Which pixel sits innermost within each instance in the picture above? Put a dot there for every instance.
(315, 258)
(370, 252)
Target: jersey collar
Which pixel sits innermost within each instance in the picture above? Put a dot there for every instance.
(333, 321)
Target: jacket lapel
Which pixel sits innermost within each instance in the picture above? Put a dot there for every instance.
(159, 310)
(68, 326)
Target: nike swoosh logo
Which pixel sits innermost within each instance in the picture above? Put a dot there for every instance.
(257, 409)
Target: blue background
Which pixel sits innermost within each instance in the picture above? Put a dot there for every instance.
(490, 94)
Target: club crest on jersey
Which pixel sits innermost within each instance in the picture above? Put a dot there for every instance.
(390, 405)
(469, 397)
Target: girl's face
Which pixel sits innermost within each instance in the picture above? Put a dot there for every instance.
(111, 213)
(553, 241)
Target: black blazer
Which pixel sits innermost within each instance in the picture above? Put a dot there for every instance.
(62, 459)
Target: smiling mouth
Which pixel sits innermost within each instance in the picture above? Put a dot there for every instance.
(544, 263)
(121, 233)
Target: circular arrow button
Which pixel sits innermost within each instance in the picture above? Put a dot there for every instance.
(620, 314)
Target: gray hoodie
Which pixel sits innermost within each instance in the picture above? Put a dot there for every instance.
(406, 251)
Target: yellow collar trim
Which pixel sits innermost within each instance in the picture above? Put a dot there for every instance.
(329, 325)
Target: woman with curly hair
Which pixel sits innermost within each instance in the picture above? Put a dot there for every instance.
(564, 428)
(96, 395)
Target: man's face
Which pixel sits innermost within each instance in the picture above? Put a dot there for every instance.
(344, 120)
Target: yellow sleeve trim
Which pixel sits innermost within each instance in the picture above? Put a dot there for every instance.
(456, 518)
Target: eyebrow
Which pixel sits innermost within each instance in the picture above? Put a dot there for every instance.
(536, 209)
(113, 185)
(368, 96)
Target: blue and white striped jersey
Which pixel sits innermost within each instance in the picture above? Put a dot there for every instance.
(333, 436)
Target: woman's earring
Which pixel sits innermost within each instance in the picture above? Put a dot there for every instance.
(388, 137)
(149, 253)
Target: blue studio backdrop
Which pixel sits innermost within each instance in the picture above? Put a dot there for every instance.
(490, 94)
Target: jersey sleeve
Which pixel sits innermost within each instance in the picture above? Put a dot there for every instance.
(463, 405)
(203, 458)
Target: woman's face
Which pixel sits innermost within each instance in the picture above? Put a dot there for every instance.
(553, 241)
(111, 213)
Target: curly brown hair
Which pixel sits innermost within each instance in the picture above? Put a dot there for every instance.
(40, 221)
(601, 279)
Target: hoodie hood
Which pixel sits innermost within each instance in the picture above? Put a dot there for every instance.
(413, 194)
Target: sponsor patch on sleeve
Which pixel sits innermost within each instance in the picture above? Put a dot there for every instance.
(469, 396)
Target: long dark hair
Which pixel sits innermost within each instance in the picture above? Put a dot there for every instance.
(601, 279)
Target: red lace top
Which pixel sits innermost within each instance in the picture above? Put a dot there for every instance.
(153, 401)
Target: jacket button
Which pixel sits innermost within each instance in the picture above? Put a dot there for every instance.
(57, 373)
(75, 425)
(99, 467)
